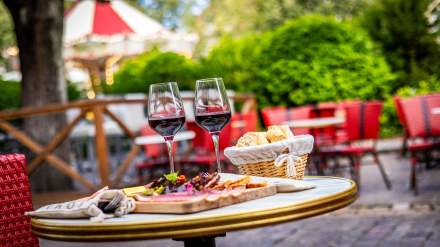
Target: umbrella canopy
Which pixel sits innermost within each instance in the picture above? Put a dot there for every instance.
(99, 33)
(95, 29)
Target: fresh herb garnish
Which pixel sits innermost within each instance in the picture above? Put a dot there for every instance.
(172, 177)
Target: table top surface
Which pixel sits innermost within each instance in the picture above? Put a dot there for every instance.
(331, 193)
(157, 139)
(316, 122)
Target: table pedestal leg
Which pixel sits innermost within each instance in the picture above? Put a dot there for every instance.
(208, 241)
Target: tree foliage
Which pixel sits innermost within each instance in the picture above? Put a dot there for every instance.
(401, 28)
(168, 12)
(7, 38)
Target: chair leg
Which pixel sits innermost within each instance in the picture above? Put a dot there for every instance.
(382, 171)
(413, 175)
(140, 176)
(428, 159)
(322, 164)
(355, 169)
(404, 146)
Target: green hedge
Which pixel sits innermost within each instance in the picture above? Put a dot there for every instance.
(315, 58)
(136, 74)
(235, 61)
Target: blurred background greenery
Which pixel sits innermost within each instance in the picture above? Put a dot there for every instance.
(288, 52)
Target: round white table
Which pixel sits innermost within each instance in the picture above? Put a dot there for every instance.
(200, 229)
(157, 139)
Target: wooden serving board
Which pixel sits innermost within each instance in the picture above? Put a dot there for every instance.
(205, 203)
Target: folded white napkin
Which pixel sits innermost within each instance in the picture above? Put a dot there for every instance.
(86, 207)
(290, 185)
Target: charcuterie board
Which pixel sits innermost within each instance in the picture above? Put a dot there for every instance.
(205, 202)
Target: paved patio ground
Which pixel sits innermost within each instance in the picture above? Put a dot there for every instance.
(378, 218)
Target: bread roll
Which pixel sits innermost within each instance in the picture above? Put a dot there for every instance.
(278, 132)
(252, 139)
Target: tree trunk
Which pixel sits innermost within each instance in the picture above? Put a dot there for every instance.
(38, 29)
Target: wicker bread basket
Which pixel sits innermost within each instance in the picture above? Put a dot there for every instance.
(286, 159)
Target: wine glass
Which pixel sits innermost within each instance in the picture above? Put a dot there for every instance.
(166, 114)
(212, 109)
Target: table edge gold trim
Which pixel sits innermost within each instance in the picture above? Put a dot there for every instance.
(40, 228)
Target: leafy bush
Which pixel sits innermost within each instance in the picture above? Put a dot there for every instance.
(73, 92)
(316, 58)
(235, 61)
(10, 96)
(136, 74)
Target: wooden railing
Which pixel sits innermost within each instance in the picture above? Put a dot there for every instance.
(99, 108)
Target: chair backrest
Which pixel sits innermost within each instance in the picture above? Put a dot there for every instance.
(301, 112)
(433, 104)
(151, 150)
(241, 124)
(280, 114)
(324, 109)
(274, 115)
(203, 140)
(421, 116)
(362, 120)
(15, 200)
(399, 110)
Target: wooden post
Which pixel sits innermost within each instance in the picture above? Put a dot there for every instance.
(101, 145)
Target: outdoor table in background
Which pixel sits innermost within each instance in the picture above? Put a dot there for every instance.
(316, 122)
(436, 111)
(157, 139)
(200, 229)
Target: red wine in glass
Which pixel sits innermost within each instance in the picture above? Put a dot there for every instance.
(213, 122)
(166, 114)
(212, 110)
(167, 126)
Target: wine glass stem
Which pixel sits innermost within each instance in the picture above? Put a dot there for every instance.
(215, 139)
(169, 141)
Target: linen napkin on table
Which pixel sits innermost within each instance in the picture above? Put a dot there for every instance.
(88, 207)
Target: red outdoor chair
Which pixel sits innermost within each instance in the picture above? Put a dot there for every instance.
(423, 127)
(203, 147)
(402, 120)
(241, 124)
(274, 115)
(327, 135)
(15, 200)
(279, 115)
(362, 124)
(155, 154)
